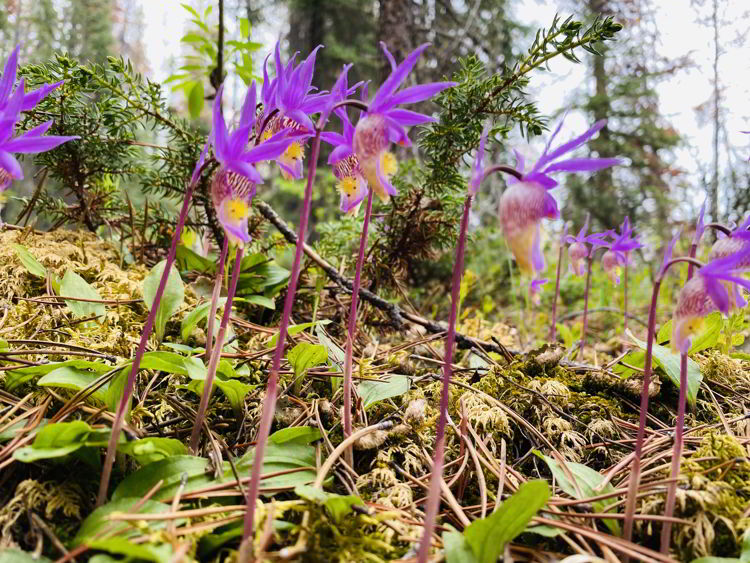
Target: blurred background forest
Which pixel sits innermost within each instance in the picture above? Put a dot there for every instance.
(674, 87)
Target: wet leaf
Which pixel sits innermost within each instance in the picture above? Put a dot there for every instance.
(31, 264)
(98, 521)
(73, 285)
(337, 506)
(488, 536)
(149, 450)
(305, 356)
(372, 392)
(172, 299)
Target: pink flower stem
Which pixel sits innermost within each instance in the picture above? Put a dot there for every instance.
(666, 530)
(127, 394)
(553, 325)
(353, 327)
(625, 297)
(269, 403)
(215, 298)
(216, 356)
(433, 496)
(635, 472)
(589, 266)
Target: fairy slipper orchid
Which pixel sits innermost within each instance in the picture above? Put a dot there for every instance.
(384, 122)
(579, 248)
(618, 252)
(233, 185)
(527, 200)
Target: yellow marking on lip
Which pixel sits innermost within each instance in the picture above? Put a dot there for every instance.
(236, 210)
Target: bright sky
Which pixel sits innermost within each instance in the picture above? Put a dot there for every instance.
(680, 96)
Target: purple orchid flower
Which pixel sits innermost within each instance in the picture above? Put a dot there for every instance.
(477, 171)
(535, 289)
(293, 97)
(527, 201)
(233, 186)
(618, 252)
(30, 142)
(579, 249)
(384, 123)
(350, 180)
(8, 80)
(707, 292)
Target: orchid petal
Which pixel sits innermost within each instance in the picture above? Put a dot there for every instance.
(397, 76)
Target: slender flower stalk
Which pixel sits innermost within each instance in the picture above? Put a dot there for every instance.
(560, 255)
(352, 328)
(215, 298)
(127, 394)
(589, 267)
(635, 473)
(617, 256)
(269, 401)
(433, 497)
(625, 297)
(216, 355)
(701, 295)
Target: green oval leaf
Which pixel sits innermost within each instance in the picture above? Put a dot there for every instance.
(73, 285)
(172, 299)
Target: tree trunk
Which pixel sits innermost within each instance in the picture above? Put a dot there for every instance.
(714, 194)
(395, 28)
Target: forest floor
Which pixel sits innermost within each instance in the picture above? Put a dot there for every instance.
(513, 417)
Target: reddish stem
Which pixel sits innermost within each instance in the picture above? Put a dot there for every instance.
(127, 394)
(625, 296)
(589, 264)
(553, 326)
(433, 497)
(215, 298)
(269, 403)
(353, 326)
(666, 530)
(216, 356)
(635, 472)
(693, 250)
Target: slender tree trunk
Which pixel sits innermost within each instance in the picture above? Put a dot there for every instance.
(714, 195)
(395, 28)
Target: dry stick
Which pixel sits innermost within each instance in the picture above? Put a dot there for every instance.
(353, 327)
(214, 362)
(215, 298)
(269, 404)
(109, 460)
(397, 315)
(433, 497)
(636, 469)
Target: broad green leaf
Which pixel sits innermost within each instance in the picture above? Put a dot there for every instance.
(195, 99)
(336, 356)
(73, 285)
(20, 376)
(121, 546)
(168, 362)
(170, 469)
(197, 315)
(565, 334)
(73, 378)
(670, 363)
(60, 439)
(305, 356)
(29, 262)
(587, 481)
(457, 549)
(244, 28)
(709, 334)
(149, 450)
(234, 390)
(12, 555)
(337, 506)
(299, 434)
(261, 300)
(190, 260)
(488, 536)
(171, 300)
(372, 392)
(209, 543)
(665, 332)
(296, 329)
(98, 521)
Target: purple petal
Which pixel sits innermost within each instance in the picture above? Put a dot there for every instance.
(339, 153)
(549, 207)
(541, 179)
(244, 169)
(33, 98)
(576, 142)
(388, 55)
(247, 115)
(199, 164)
(9, 75)
(268, 150)
(396, 77)
(407, 117)
(718, 294)
(582, 165)
(11, 165)
(219, 133)
(418, 93)
(39, 129)
(668, 251)
(32, 145)
(537, 258)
